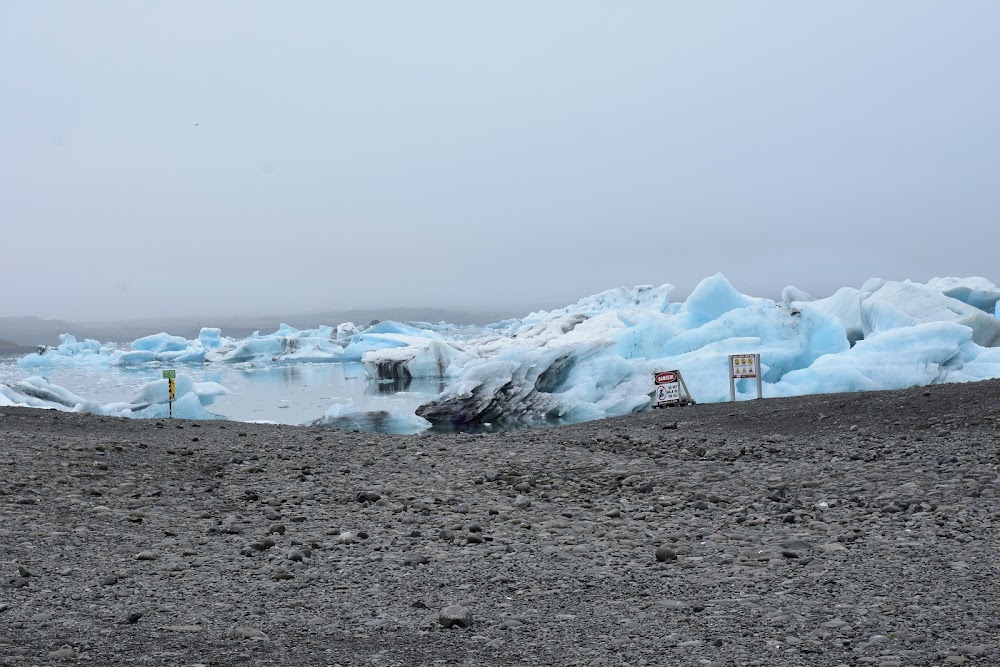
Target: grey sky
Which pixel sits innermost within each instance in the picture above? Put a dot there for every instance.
(197, 158)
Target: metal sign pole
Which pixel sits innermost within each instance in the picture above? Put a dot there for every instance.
(732, 381)
(760, 387)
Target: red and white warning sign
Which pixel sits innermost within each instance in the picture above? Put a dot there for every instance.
(665, 377)
(668, 387)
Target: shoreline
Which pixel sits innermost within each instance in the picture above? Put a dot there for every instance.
(815, 530)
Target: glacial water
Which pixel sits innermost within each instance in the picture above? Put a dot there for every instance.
(292, 394)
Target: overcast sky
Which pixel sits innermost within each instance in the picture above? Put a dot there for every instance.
(200, 158)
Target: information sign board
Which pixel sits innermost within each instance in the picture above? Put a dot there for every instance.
(744, 366)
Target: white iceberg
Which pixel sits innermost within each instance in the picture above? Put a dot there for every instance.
(69, 352)
(150, 401)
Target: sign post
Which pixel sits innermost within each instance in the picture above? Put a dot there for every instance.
(671, 390)
(170, 376)
(744, 366)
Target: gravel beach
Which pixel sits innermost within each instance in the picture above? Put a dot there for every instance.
(822, 530)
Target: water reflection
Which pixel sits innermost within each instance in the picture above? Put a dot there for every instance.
(392, 386)
(287, 394)
(278, 374)
(429, 387)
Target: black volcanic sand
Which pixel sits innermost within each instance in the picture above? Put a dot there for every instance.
(824, 530)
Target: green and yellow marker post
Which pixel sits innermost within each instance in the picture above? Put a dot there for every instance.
(170, 376)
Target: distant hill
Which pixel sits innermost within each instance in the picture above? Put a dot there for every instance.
(9, 347)
(33, 331)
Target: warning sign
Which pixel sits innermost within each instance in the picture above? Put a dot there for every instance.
(744, 365)
(664, 378)
(670, 389)
(667, 393)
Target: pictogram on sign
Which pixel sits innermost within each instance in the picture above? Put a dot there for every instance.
(671, 389)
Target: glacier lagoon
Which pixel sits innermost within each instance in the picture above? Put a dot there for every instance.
(589, 360)
(291, 394)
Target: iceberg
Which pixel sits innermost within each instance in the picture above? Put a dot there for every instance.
(287, 345)
(69, 352)
(151, 401)
(893, 305)
(348, 417)
(595, 358)
(977, 292)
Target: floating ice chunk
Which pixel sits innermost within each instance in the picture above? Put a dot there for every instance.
(521, 384)
(844, 306)
(383, 336)
(347, 330)
(712, 298)
(150, 401)
(977, 292)
(37, 392)
(896, 305)
(977, 363)
(161, 342)
(599, 385)
(643, 298)
(157, 391)
(286, 345)
(422, 358)
(871, 286)
(188, 406)
(896, 359)
(392, 327)
(68, 352)
(210, 337)
(791, 294)
(348, 417)
(789, 341)
(254, 347)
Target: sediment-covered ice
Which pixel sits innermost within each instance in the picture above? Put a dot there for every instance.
(349, 417)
